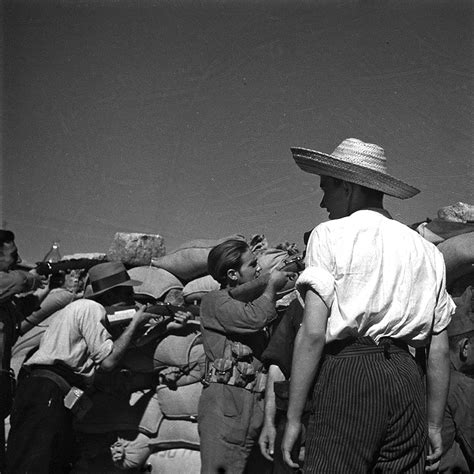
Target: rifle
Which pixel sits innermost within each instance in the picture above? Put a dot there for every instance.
(50, 268)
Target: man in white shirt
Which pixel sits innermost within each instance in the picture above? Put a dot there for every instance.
(72, 349)
(371, 288)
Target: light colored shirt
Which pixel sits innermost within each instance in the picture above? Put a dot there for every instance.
(378, 277)
(76, 338)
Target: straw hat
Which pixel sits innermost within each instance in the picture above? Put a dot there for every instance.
(357, 162)
(108, 275)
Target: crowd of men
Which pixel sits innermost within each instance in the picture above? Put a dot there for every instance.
(358, 369)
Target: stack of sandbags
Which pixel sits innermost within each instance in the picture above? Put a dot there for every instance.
(189, 261)
(168, 418)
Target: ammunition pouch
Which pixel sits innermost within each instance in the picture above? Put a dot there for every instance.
(237, 369)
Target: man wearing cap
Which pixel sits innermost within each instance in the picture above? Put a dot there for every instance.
(371, 288)
(458, 424)
(72, 349)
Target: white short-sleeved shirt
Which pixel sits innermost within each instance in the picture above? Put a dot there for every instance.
(76, 338)
(378, 277)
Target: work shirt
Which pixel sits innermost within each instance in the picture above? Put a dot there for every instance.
(378, 278)
(76, 338)
(225, 318)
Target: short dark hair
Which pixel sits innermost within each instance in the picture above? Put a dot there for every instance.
(226, 256)
(6, 236)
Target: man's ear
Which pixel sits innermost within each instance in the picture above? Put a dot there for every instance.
(348, 188)
(232, 275)
(463, 349)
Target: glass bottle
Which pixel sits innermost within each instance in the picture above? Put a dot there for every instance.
(53, 255)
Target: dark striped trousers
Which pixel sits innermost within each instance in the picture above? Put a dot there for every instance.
(369, 411)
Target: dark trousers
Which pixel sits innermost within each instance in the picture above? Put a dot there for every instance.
(368, 413)
(41, 435)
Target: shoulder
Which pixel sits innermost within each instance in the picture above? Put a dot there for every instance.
(214, 296)
(85, 307)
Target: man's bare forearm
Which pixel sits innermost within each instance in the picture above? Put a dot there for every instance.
(274, 375)
(120, 346)
(309, 346)
(437, 378)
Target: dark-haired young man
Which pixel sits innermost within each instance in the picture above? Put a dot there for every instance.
(12, 311)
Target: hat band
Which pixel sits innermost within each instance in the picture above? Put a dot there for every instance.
(110, 281)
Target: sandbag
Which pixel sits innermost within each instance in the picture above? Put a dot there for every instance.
(274, 259)
(188, 374)
(458, 253)
(175, 434)
(175, 349)
(459, 212)
(179, 460)
(196, 289)
(151, 415)
(156, 282)
(189, 261)
(181, 403)
(135, 249)
(132, 454)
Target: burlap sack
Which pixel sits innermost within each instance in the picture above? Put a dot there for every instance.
(181, 403)
(151, 415)
(176, 434)
(189, 261)
(179, 460)
(132, 454)
(196, 289)
(156, 282)
(273, 259)
(175, 349)
(458, 253)
(135, 249)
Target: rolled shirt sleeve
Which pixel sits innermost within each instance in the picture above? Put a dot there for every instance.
(318, 275)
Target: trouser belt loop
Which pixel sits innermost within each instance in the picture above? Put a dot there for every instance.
(386, 349)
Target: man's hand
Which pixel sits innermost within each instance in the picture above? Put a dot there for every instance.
(266, 441)
(180, 320)
(141, 316)
(279, 279)
(435, 448)
(39, 281)
(292, 431)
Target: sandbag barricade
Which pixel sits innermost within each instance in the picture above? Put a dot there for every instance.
(168, 413)
(189, 261)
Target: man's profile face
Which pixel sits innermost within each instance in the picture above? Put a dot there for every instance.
(334, 198)
(8, 256)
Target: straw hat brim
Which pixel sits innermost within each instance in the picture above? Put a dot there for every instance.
(319, 163)
(88, 292)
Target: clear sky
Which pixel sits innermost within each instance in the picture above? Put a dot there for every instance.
(177, 117)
